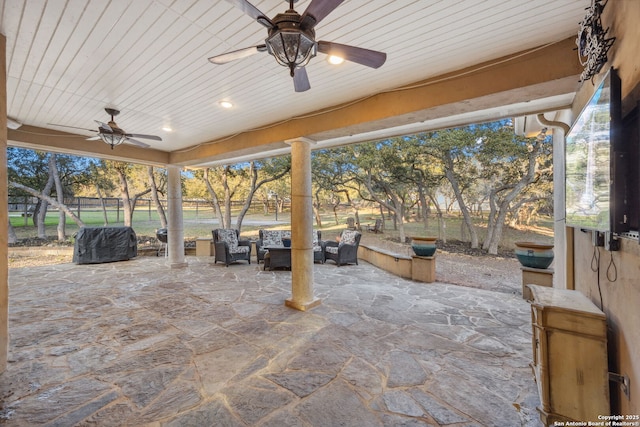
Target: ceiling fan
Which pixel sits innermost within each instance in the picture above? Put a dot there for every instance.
(111, 133)
(291, 40)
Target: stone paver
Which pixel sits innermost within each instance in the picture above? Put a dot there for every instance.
(136, 343)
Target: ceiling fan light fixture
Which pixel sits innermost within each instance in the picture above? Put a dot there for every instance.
(112, 139)
(292, 49)
(292, 46)
(226, 104)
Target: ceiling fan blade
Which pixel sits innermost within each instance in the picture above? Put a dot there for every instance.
(72, 127)
(104, 126)
(370, 58)
(237, 54)
(252, 11)
(318, 10)
(301, 80)
(139, 135)
(138, 143)
(93, 138)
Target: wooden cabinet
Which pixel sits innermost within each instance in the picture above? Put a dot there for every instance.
(569, 355)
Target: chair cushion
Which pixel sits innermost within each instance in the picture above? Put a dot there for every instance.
(315, 243)
(332, 249)
(348, 237)
(240, 250)
(230, 238)
(272, 238)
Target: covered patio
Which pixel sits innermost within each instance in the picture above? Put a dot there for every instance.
(135, 343)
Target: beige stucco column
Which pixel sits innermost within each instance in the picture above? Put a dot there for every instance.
(175, 226)
(301, 227)
(4, 212)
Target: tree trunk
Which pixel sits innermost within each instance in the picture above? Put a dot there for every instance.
(497, 233)
(155, 198)
(42, 210)
(400, 215)
(316, 210)
(104, 207)
(491, 223)
(512, 193)
(253, 187)
(395, 205)
(463, 207)
(49, 200)
(62, 218)
(215, 202)
(11, 234)
(227, 198)
(424, 208)
(442, 225)
(503, 208)
(126, 199)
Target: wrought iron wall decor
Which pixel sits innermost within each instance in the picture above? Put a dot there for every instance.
(592, 41)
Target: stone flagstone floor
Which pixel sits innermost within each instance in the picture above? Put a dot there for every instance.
(138, 344)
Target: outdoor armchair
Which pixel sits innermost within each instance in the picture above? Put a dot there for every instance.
(229, 248)
(346, 250)
(377, 227)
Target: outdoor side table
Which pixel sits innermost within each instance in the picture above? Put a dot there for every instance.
(277, 257)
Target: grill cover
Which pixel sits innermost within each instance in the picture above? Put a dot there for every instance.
(104, 244)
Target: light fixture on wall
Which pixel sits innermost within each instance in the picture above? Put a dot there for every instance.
(592, 41)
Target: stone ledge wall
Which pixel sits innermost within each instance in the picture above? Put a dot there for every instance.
(400, 265)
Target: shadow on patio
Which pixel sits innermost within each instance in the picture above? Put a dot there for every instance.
(136, 343)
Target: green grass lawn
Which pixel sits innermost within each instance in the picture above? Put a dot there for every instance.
(199, 223)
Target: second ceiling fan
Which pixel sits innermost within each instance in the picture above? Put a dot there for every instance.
(291, 40)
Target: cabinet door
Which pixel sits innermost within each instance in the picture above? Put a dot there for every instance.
(578, 386)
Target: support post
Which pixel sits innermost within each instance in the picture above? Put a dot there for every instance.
(175, 226)
(4, 212)
(302, 297)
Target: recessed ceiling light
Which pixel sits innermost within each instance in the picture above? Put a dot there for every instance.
(225, 104)
(167, 129)
(335, 60)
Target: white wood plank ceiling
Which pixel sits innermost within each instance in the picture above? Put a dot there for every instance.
(68, 59)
